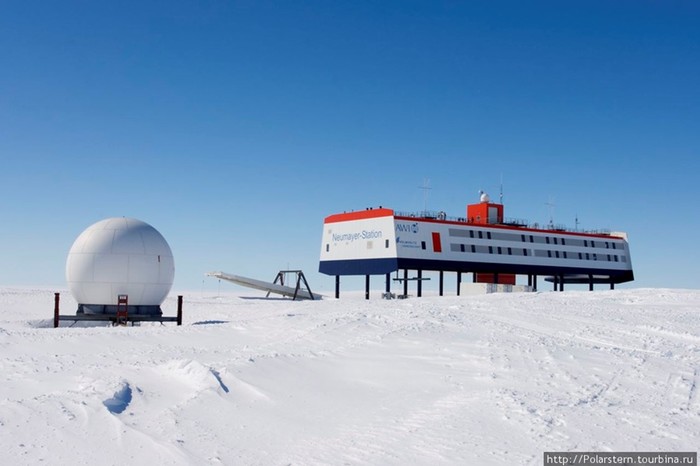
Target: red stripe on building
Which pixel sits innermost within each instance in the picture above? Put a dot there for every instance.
(437, 246)
(359, 215)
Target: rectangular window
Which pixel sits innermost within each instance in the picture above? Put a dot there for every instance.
(615, 258)
(422, 244)
(585, 243)
(471, 233)
(592, 243)
(499, 250)
(556, 253)
(588, 257)
(580, 256)
(386, 244)
(555, 240)
(565, 255)
(488, 234)
(549, 253)
(547, 239)
(563, 241)
(522, 237)
(614, 246)
(490, 249)
(524, 252)
(328, 247)
(510, 252)
(481, 235)
(473, 248)
(461, 248)
(532, 239)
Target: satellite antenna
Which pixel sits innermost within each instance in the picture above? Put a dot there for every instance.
(576, 222)
(425, 187)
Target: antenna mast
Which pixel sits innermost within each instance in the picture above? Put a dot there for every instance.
(551, 206)
(500, 197)
(425, 187)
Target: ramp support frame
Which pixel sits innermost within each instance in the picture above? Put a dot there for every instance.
(279, 280)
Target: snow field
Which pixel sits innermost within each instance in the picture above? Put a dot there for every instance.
(484, 380)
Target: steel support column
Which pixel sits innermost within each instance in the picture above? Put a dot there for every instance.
(419, 287)
(56, 300)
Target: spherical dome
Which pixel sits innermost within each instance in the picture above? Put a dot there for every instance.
(120, 256)
(484, 197)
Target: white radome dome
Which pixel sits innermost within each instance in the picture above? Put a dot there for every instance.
(120, 256)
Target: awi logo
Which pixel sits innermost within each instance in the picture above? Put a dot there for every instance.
(407, 228)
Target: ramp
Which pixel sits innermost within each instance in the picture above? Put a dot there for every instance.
(288, 291)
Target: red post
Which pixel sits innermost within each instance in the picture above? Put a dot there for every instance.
(179, 310)
(122, 310)
(56, 299)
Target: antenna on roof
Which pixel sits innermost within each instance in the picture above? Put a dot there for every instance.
(425, 187)
(500, 197)
(551, 206)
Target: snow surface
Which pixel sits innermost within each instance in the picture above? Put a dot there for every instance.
(479, 380)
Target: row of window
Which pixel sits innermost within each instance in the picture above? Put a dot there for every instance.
(510, 251)
(592, 256)
(527, 238)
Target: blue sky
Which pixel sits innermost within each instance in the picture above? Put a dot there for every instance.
(234, 127)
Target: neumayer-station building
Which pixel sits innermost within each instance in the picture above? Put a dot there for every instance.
(381, 241)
